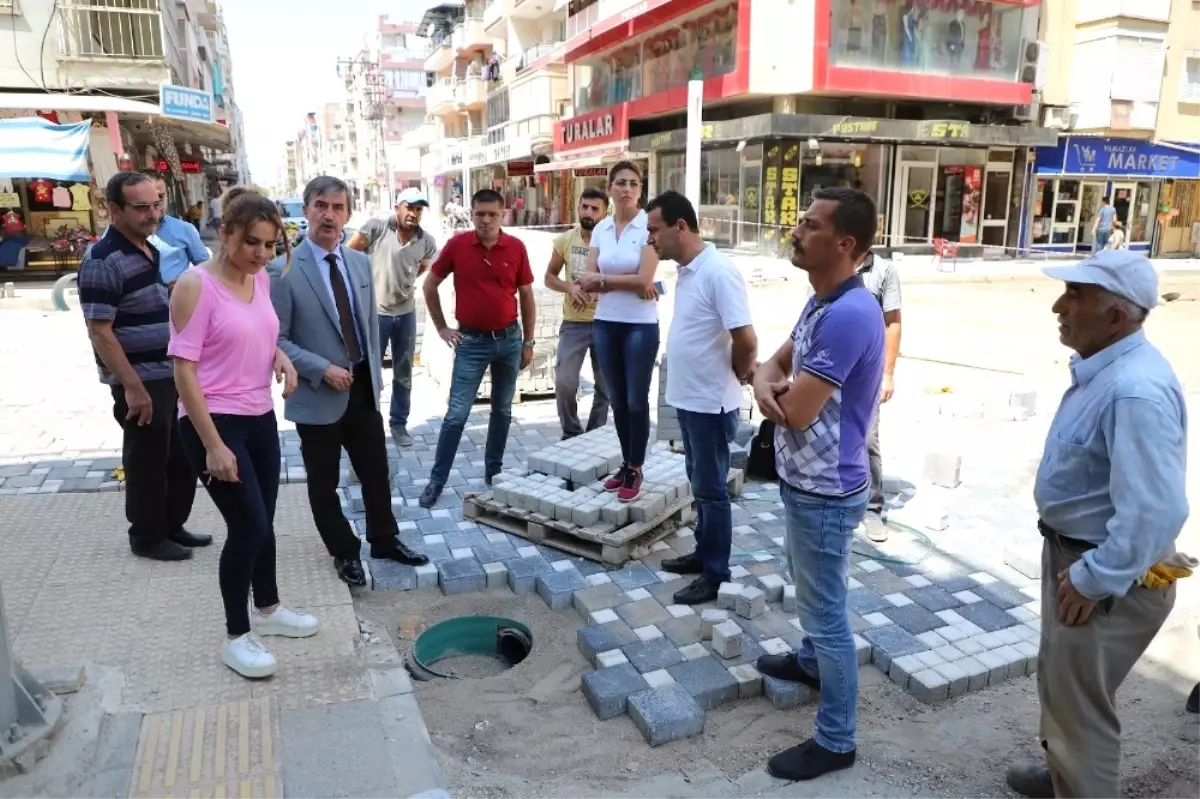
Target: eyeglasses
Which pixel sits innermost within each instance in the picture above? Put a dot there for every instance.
(142, 208)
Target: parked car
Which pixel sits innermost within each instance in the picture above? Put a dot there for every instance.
(295, 225)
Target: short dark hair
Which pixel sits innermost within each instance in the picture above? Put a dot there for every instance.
(854, 216)
(154, 174)
(114, 192)
(623, 166)
(594, 194)
(327, 184)
(486, 196)
(674, 206)
(1104, 198)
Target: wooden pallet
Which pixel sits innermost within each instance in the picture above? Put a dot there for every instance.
(603, 542)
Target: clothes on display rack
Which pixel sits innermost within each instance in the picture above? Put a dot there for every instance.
(42, 190)
(908, 26)
(854, 28)
(879, 34)
(13, 223)
(81, 197)
(60, 197)
(9, 199)
(956, 38)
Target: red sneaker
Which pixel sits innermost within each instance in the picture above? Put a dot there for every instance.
(615, 482)
(632, 488)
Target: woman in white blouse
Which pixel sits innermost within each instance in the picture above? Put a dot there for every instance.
(625, 332)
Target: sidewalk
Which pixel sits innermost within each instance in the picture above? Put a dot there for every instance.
(339, 718)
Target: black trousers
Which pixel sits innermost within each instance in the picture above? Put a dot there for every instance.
(360, 433)
(248, 507)
(159, 482)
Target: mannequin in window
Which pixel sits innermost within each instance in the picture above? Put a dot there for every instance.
(854, 28)
(956, 38)
(983, 43)
(924, 41)
(879, 33)
(908, 28)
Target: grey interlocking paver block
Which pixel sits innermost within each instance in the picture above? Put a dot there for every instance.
(863, 601)
(784, 694)
(956, 676)
(594, 639)
(933, 598)
(461, 576)
(494, 553)
(977, 673)
(621, 631)
(751, 603)
(883, 582)
(427, 576)
(652, 655)
(997, 666)
(642, 612)
(658, 679)
(727, 595)
(635, 575)
(956, 582)
(665, 592)
(1001, 595)
(666, 714)
(986, 615)
(890, 642)
(388, 575)
(556, 588)
(523, 573)
(750, 682)
(497, 575)
(709, 618)
(902, 668)
(789, 599)
(915, 619)
(727, 639)
(682, 631)
(693, 651)
(707, 681)
(598, 597)
(928, 686)
(608, 689)
(768, 625)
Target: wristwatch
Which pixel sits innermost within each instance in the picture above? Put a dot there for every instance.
(530, 343)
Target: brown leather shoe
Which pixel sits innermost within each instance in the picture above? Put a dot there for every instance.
(1031, 779)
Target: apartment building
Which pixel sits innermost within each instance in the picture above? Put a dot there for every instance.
(498, 85)
(1123, 88)
(926, 106)
(150, 82)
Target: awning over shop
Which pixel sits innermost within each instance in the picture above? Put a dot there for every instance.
(1118, 158)
(32, 147)
(610, 154)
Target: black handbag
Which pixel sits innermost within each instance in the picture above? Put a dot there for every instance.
(760, 463)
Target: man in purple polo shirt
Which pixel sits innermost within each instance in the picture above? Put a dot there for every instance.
(822, 389)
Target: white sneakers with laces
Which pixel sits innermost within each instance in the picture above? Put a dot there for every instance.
(248, 656)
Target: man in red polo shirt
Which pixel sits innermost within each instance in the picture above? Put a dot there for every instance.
(491, 271)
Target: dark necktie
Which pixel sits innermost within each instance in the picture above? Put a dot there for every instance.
(341, 298)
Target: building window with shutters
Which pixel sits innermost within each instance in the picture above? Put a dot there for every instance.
(1189, 81)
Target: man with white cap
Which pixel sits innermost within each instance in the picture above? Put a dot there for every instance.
(400, 251)
(1111, 500)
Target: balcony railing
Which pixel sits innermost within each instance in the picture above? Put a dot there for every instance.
(537, 52)
(127, 30)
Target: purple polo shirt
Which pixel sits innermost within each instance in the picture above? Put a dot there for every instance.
(838, 339)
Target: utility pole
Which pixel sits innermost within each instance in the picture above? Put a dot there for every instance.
(695, 113)
(28, 712)
(373, 108)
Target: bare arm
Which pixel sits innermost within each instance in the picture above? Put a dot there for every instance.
(745, 348)
(891, 342)
(777, 367)
(639, 283)
(528, 311)
(553, 281)
(358, 242)
(100, 332)
(803, 401)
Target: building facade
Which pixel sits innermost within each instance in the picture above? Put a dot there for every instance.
(152, 79)
(1123, 87)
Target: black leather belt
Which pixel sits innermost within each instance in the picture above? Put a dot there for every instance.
(493, 334)
(1073, 544)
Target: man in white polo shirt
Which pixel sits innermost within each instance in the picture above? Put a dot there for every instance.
(710, 349)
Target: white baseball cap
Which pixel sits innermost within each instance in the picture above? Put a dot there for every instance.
(1125, 273)
(412, 196)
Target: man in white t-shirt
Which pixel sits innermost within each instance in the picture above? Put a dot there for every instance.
(710, 349)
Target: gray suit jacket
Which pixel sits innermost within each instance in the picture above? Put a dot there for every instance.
(310, 336)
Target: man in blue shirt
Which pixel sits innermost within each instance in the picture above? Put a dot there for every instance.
(823, 414)
(1110, 494)
(1102, 227)
(178, 242)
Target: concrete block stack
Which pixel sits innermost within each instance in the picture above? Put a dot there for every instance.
(668, 420)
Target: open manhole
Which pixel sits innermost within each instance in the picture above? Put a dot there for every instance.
(469, 647)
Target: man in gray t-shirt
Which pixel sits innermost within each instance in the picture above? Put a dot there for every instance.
(1102, 226)
(881, 278)
(400, 252)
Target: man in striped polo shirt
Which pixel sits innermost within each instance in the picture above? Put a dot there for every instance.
(128, 319)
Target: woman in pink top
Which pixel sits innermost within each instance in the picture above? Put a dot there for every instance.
(223, 334)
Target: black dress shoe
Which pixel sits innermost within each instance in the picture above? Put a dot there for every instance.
(488, 478)
(350, 571)
(1193, 701)
(162, 550)
(786, 667)
(401, 553)
(429, 496)
(186, 539)
(700, 591)
(685, 564)
(808, 761)
(1032, 779)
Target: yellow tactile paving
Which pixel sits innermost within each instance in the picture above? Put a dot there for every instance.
(227, 750)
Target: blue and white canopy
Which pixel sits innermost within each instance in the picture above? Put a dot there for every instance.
(32, 147)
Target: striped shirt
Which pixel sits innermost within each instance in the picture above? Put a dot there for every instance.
(119, 284)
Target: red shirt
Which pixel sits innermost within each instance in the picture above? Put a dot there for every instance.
(486, 296)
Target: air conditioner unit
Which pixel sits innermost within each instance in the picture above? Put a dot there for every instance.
(1025, 113)
(1056, 117)
(1035, 62)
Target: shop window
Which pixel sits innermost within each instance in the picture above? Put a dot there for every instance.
(720, 192)
(970, 38)
(846, 164)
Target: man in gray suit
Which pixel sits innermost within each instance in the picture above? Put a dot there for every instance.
(328, 327)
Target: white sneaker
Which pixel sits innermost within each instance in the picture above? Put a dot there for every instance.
(248, 657)
(284, 621)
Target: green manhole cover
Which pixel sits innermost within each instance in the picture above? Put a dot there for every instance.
(469, 647)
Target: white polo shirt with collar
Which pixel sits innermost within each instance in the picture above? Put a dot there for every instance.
(621, 256)
(711, 299)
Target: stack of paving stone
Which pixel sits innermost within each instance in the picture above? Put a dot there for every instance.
(668, 420)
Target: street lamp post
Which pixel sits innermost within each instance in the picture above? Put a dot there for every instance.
(28, 711)
(695, 110)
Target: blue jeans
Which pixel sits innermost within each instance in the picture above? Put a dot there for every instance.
(706, 438)
(401, 331)
(626, 353)
(475, 353)
(1102, 236)
(820, 531)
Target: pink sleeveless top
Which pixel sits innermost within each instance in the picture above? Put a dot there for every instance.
(233, 342)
